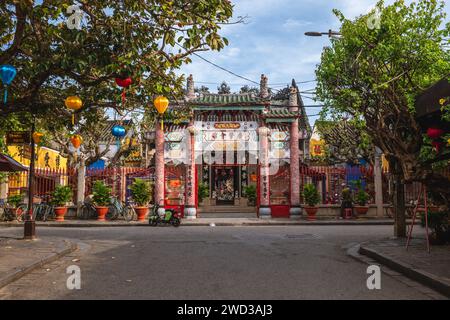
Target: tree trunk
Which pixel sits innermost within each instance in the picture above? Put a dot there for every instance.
(398, 199)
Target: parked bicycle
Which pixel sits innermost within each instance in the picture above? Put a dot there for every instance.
(87, 210)
(117, 209)
(9, 213)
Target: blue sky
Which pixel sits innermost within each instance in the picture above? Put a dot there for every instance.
(273, 42)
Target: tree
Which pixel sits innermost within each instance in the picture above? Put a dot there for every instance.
(146, 40)
(345, 141)
(373, 73)
(224, 88)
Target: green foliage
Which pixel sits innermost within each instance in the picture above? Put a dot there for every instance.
(15, 200)
(101, 194)
(147, 40)
(373, 75)
(61, 195)
(250, 193)
(311, 195)
(361, 196)
(439, 223)
(203, 191)
(141, 192)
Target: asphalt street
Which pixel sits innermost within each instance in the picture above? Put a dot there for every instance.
(283, 262)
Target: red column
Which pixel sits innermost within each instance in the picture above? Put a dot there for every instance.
(294, 170)
(159, 167)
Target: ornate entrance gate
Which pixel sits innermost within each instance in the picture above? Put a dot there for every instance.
(225, 184)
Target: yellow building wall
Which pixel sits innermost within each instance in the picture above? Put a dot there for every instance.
(46, 159)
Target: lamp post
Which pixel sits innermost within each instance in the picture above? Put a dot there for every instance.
(29, 225)
(330, 34)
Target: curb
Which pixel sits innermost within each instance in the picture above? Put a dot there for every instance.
(207, 224)
(17, 274)
(409, 271)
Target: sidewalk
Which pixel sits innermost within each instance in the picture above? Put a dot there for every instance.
(431, 269)
(19, 257)
(207, 222)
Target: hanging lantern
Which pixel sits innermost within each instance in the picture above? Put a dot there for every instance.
(37, 137)
(434, 133)
(124, 83)
(7, 75)
(76, 141)
(73, 103)
(118, 132)
(161, 103)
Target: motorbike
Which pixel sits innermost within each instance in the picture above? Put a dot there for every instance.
(170, 217)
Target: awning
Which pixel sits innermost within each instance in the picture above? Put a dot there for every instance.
(8, 164)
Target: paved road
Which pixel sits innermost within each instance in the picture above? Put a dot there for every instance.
(293, 262)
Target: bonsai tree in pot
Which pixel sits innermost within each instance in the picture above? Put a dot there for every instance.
(60, 197)
(361, 198)
(101, 196)
(312, 199)
(203, 191)
(250, 193)
(141, 193)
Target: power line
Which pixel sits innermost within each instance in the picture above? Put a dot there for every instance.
(233, 73)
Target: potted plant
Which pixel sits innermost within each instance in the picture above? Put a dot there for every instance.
(203, 191)
(101, 196)
(361, 198)
(60, 197)
(15, 200)
(312, 198)
(141, 193)
(250, 193)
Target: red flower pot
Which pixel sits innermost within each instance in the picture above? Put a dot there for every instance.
(101, 213)
(361, 210)
(60, 212)
(141, 212)
(311, 212)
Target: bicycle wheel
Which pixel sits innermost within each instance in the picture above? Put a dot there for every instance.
(113, 213)
(49, 213)
(128, 213)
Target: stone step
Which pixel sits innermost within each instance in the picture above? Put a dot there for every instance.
(227, 209)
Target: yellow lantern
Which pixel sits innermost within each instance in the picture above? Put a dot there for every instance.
(161, 103)
(73, 103)
(448, 142)
(37, 137)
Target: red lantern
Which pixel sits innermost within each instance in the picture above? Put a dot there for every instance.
(124, 83)
(434, 133)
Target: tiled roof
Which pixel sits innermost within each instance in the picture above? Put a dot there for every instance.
(227, 99)
(281, 114)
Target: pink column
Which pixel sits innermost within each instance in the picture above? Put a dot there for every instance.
(190, 210)
(264, 183)
(295, 209)
(159, 167)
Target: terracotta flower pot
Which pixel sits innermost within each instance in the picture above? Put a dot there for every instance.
(361, 210)
(101, 213)
(311, 212)
(60, 212)
(141, 212)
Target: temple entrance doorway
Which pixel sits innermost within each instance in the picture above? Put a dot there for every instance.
(225, 184)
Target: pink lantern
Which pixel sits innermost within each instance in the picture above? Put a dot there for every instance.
(435, 133)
